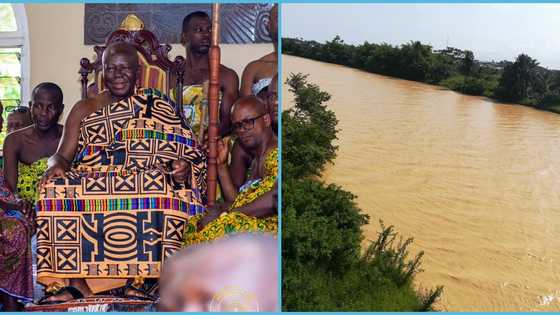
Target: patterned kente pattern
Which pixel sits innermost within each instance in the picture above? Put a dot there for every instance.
(113, 245)
(119, 213)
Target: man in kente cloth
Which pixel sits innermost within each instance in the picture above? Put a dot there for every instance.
(117, 194)
(252, 207)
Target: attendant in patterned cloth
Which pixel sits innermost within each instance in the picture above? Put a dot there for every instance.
(240, 157)
(25, 152)
(252, 208)
(196, 38)
(16, 274)
(118, 192)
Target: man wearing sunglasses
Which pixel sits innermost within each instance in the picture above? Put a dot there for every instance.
(18, 118)
(252, 207)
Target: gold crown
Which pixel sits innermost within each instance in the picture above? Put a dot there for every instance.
(132, 23)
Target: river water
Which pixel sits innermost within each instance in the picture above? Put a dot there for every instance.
(476, 183)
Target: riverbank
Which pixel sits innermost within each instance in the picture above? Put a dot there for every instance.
(474, 182)
(521, 82)
(324, 267)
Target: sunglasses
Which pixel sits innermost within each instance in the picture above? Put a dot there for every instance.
(17, 109)
(246, 124)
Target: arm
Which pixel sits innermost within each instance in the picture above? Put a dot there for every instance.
(229, 96)
(71, 134)
(238, 165)
(61, 161)
(11, 174)
(247, 80)
(228, 189)
(262, 206)
(11, 160)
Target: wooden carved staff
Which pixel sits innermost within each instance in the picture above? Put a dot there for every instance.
(213, 105)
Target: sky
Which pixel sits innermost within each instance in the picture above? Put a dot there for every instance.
(492, 31)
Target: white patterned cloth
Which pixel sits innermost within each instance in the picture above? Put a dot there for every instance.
(260, 85)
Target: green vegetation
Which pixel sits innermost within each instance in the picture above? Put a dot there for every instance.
(10, 80)
(522, 81)
(323, 266)
(7, 18)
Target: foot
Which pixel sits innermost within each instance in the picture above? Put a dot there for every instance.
(63, 296)
(132, 292)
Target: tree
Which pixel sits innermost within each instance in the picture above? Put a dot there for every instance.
(442, 68)
(519, 79)
(414, 61)
(467, 64)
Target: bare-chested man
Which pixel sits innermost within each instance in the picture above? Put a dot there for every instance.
(196, 36)
(251, 207)
(240, 156)
(25, 153)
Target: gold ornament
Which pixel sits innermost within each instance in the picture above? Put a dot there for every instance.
(132, 23)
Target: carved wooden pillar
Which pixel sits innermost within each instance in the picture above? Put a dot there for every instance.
(213, 104)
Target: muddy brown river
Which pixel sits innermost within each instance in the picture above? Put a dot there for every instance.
(476, 183)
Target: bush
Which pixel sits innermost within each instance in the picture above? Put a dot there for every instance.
(549, 101)
(454, 82)
(472, 86)
(308, 130)
(466, 85)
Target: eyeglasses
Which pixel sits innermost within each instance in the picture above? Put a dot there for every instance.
(246, 124)
(17, 109)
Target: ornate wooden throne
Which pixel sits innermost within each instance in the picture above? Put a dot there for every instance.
(156, 69)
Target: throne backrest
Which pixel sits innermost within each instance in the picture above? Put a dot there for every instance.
(156, 69)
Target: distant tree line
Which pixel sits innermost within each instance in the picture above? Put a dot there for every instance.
(324, 267)
(522, 81)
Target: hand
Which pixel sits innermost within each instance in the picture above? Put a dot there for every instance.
(29, 210)
(222, 146)
(223, 151)
(211, 214)
(24, 207)
(181, 170)
(55, 171)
